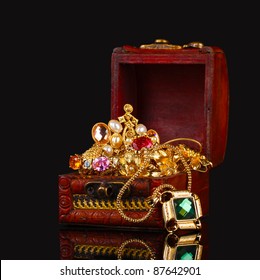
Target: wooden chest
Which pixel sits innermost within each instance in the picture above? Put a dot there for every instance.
(179, 91)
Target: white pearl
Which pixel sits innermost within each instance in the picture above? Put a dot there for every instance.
(108, 150)
(140, 129)
(115, 126)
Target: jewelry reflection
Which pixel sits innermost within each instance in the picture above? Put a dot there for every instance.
(185, 247)
(102, 244)
(148, 253)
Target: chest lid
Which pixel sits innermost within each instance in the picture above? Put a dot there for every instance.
(179, 91)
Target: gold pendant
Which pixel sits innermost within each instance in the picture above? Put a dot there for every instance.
(182, 211)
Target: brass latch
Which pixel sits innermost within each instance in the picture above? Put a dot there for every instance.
(165, 44)
(101, 189)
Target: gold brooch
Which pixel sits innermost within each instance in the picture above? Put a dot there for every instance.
(122, 146)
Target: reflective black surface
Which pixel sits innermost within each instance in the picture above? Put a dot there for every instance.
(114, 243)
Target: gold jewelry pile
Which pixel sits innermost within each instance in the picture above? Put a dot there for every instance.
(123, 146)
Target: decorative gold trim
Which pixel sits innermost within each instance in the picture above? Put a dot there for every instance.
(81, 251)
(165, 44)
(161, 44)
(82, 201)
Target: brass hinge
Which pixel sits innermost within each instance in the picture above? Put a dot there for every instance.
(165, 44)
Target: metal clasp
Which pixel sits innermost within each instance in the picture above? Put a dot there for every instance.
(196, 45)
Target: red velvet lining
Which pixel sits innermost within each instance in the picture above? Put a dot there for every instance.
(179, 94)
(168, 98)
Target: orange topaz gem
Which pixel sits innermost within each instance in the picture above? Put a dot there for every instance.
(75, 162)
(195, 162)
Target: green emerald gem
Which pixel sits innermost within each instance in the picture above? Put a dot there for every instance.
(184, 208)
(186, 252)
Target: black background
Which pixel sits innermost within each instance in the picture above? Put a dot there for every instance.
(57, 85)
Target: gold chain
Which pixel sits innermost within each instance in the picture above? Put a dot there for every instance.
(135, 240)
(157, 192)
(185, 139)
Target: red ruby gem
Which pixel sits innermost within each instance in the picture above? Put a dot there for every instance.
(142, 142)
